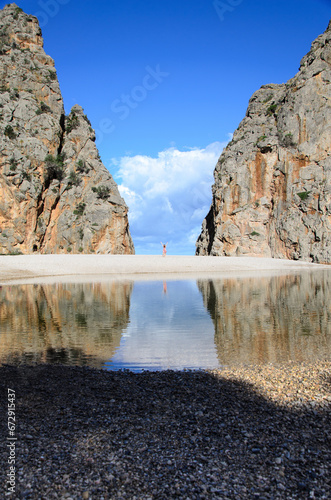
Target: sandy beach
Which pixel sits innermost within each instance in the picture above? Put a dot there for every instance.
(49, 268)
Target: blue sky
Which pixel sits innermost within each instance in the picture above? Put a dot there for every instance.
(165, 84)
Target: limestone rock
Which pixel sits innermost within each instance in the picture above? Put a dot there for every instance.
(272, 190)
(56, 196)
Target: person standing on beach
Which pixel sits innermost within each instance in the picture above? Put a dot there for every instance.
(164, 251)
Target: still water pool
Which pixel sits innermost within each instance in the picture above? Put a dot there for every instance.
(156, 325)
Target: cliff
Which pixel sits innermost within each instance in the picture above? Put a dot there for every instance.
(56, 196)
(272, 190)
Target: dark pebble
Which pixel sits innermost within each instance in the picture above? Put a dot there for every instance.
(238, 433)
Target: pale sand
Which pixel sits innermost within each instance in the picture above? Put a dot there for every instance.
(54, 268)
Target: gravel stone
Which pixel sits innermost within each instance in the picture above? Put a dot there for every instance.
(237, 433)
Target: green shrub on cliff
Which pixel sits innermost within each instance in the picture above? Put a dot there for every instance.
(80, 209)
(102, 192)
(74, 179)
(303, 195)
(54, 167)
(72, 122)
(272, 109)
(43, 108)
(81, 167)
(9, 132)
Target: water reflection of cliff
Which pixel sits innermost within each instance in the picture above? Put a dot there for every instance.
(272, 319)
(67, 323)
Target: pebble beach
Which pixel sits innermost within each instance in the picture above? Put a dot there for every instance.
(243, 432)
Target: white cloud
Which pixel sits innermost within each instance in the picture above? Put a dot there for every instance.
(168, 196)
(132, 199)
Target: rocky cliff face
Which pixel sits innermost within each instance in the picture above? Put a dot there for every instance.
(272, 191)
(56, 196)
